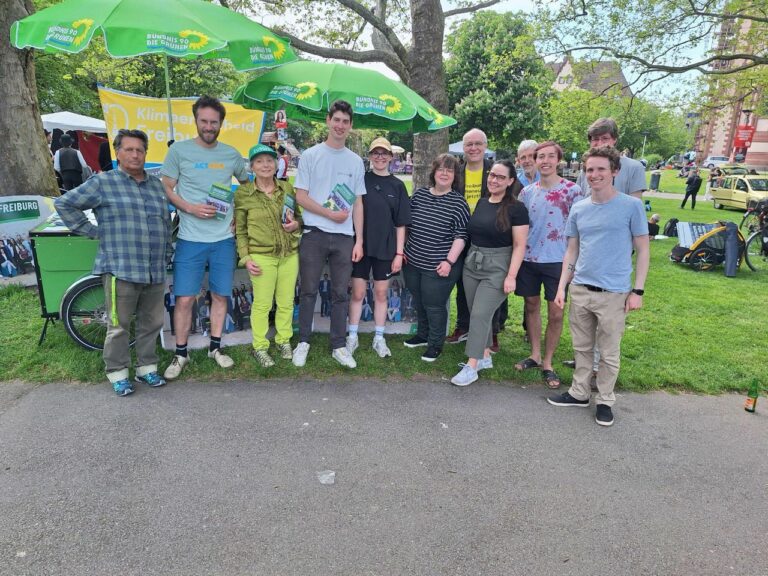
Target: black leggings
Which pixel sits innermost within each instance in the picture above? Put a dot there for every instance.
(692, 196)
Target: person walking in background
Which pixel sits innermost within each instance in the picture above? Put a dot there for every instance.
(134, 233)
(602, 233)
(387, 212)
(692, 187)
(498, 230)
(268, 246)
(433, 252)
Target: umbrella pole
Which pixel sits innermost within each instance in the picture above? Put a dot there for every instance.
(168, 95)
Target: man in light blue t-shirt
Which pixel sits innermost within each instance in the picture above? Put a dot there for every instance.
(602, 231)
(197, 176)
(329, 187)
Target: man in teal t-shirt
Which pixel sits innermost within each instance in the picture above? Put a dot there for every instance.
(197, 175)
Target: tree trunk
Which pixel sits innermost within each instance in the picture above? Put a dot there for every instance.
(26, 167)
(427, 77)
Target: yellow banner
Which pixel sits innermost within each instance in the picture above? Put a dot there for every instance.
(242, 128)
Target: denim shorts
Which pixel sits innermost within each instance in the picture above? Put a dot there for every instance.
(191, 261)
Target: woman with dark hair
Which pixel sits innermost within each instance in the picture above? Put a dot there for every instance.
(498, 230)
(436, 238)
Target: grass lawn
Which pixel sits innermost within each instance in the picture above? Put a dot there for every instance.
(698, 331)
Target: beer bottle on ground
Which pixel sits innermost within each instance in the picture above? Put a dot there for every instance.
(751, 404)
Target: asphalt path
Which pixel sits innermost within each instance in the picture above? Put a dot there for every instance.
(222, 479)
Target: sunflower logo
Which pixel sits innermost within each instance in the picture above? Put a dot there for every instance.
(86, 23)
(200, 38)
(393, 103)
(436, 116)
(311, 90)
(279, 48)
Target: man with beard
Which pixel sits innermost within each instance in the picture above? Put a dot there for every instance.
(197, 176)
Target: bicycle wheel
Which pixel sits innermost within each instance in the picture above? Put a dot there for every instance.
(756, 251)
(84, 313)
(750, 223)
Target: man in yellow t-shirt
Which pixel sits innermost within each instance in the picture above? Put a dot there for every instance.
(473, 187)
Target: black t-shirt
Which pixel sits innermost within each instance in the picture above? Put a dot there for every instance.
(482, 225)
(653, 229)
(386, 206)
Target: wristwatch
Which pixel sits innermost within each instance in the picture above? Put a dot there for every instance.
(638, 291)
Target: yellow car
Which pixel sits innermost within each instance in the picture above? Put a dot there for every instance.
(738, 191)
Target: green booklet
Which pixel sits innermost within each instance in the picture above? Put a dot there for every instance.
(220, 197)
(289, 208)
(340, 198)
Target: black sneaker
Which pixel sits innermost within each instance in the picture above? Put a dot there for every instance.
(431, 354)
(567, 400)
(604, 415)
(415, 342)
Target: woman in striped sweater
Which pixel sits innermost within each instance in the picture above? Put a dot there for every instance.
(436, 239)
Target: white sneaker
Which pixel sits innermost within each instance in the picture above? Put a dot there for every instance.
(176, 367)
(343, 357)
(485, 363)
(300, 354)
(380, 346)
(465, 377)
(221, 359)
(352, 343)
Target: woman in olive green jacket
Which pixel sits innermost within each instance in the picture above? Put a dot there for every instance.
(268, 228)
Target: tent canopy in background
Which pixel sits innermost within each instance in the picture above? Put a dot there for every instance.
(71, 121)
(457, 149)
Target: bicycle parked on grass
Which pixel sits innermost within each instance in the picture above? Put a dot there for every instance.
(755, 223)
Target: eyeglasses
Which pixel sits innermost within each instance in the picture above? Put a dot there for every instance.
(494, 176)
(379, 154)
(473, 144)
(445, 169)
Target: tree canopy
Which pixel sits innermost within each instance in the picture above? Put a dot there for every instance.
(496, 80)
(570, 113)
(659, 38)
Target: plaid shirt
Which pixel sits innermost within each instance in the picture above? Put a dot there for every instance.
(134, 230)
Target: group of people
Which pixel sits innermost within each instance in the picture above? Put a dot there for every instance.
(15, 256)
(487, 227)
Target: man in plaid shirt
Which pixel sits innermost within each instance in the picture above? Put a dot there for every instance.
(134, 248)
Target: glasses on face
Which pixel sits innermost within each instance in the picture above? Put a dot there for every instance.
(604, 139)
(474, 144)
(445, 170)
(495, 176)
(379, 154)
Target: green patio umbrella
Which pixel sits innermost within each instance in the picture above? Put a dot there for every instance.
(181, 28)
(305, 89)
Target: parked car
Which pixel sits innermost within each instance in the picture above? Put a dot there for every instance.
(714, 161)
(731, 170)
(737, 191)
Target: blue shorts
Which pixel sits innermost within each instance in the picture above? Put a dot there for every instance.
(191, 260)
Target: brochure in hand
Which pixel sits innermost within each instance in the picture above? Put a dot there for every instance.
(220, 197)
(340, 198)
(289, 208)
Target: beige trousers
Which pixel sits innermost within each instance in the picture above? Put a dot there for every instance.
(596, 318)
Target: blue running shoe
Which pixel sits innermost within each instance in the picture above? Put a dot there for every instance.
(152, 379)
(123, 387)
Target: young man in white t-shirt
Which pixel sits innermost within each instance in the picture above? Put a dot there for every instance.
(327, 172)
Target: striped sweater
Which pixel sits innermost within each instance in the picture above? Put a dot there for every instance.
(436, 221)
